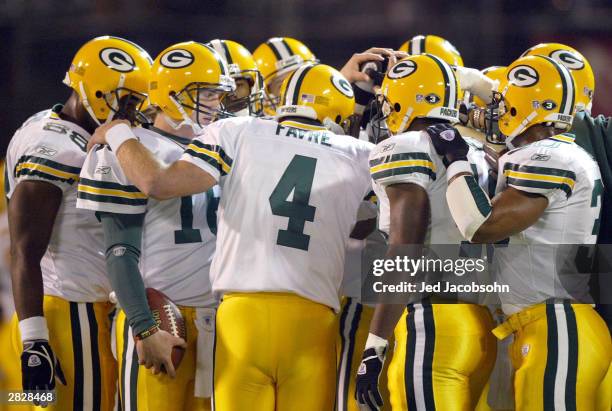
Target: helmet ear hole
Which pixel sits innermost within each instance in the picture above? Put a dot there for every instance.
(397, 107)
(99, 94)
(513, 111)
(338, 119)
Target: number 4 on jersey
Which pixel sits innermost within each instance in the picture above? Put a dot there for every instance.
(296, 179)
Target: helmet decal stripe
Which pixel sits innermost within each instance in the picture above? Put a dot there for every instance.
(297, 80)
(287, 47)
(422, 48)
(222, 65)
(568, 96)
(280, 51)
(450, 82)
(226, 52)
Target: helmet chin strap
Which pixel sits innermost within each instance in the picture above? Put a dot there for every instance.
(115, 103)
(405, 119)
(85, 102)
(197, 129)
(521, 127)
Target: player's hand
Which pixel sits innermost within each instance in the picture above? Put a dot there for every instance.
(352, 69)
(366, 390)
(39, 368)
(448, 143)
(99, 136)
(155, 351)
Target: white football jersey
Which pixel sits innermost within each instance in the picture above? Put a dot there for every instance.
(290, 198)
(411, 158)
(568, 176)
(49, 149)
(178, 240)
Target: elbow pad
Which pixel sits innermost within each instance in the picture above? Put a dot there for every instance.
(468, 204)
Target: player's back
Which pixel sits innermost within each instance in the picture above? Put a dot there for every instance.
(290, 197)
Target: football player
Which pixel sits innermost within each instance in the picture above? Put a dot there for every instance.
(548, 193)
(291, 190)
(248, 98)
(173, 240)
(277, 58)
(57, 250)
(444, 353)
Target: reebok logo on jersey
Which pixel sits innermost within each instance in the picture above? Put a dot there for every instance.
(103, 170)
(34, 361)
(46, 151)
(119, 251)
(540, 157)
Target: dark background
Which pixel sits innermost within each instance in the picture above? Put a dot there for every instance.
(39, 37)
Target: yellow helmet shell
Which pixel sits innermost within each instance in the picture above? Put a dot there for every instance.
(239, 59)
(183, 65)
(576, 63)
(420, 86)
(103, 65)
(535, 90)
(279, 56)
(318, 92)
(435, 45)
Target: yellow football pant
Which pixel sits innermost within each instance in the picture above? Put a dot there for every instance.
(274, 352)
(444, 354)
(79, 334)
(355, 321)
(141, 390)
(10, 366)
(561, 354)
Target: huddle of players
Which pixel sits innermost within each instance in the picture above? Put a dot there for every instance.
(289, 193)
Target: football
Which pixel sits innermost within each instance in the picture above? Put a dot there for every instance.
(168, 318)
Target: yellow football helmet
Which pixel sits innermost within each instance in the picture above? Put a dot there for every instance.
(241, 65)
(189, 81)
(578, 66)
(435, 45)
(318, 92)
(418, 86)
(110, 75)
(277, 58)
(535, 90)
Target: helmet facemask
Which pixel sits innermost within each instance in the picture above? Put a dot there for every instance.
(127, 104)
(250, 104)
(205, 102)
(380, 109)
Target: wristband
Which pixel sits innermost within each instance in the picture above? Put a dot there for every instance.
(374, 341)
(34, 328)
(461, 166)
(117, 135)
(146, 333)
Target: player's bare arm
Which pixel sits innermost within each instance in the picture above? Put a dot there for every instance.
(145, 171)
(30, 223)
(410, 213)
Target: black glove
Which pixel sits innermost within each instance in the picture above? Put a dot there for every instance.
(366, 390)
(448, 143)
(40, 367)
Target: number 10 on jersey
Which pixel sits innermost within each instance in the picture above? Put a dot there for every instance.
(296, 179)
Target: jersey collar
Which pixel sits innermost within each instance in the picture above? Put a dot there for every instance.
(564, 138)
(303, 126)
